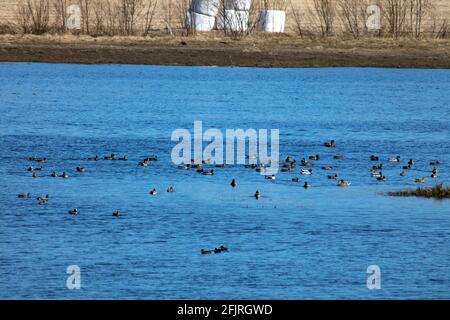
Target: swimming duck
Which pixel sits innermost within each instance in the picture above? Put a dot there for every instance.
(217, 250)
(382, 178)
(290, 159)
(420, 180)
(170, 190)
(377, 167)
(24, 196)
(333, 177)
(339, 157)
(123, 158)
(257, 194)
(411, 162)
(184, 167)
(306, 185)
(222, 248)
(53, 174)
(96, 158)
(434, 163)
(343, 183)
(408, 167)
(38, 168)
(33, 158)
(433, 176)
(196, 166)
(143, 164)
(111, 157)
(116, 214)
(394, 159)
(403, 174)
(316, 157)
(306, 171)
(64, 175)
(286, 169)
(208, 172)
(295, 180)
(330, 144)
(374, 158)
(152, 158)
(30, 168)
(233, 183)
(42, 199)
(153, 192)
(81, 169)
(328, 168)
(74, 212)
(377, 174)
(434, 171)
(271, 177)
(203, 251)
(43, 160)
(305, 163)
(34, 175)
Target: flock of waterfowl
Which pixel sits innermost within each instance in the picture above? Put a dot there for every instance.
(289, 165)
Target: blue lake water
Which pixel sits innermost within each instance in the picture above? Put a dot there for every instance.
(290, 244)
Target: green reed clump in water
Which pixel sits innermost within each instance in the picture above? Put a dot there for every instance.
(438, 191)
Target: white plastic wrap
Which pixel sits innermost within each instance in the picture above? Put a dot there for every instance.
(206, 7)
(200, 22)
(272, 21)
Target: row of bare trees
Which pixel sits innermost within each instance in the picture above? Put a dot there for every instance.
(99, 17)
(320, 17)
(399, 18)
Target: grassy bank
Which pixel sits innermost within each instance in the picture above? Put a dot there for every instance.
(438, 192)
(213, 49)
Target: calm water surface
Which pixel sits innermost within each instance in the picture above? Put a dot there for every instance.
(291, 244)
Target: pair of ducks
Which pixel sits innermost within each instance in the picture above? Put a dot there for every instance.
(216, 250)
(42, 201)
(63, 175)
(112, 157)
(31, 168)
(153, 192)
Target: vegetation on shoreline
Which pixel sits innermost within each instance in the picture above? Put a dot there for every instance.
(412, 19)
(438, 192)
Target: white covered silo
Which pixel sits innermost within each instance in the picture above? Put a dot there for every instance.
(200, 22)
(206, 7)
(272, 21)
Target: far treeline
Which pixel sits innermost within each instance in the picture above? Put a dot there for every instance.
(316, 19)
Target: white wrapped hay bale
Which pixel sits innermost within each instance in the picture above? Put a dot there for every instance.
(206, 7)
(236, 21)
(272, 21)
(238, 5)
(200, 22)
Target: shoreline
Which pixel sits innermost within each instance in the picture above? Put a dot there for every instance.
(269, 52)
